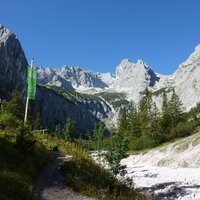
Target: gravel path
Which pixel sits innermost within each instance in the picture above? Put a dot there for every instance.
(51, 184)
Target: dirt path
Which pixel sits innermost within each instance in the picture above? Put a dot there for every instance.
(51, 184)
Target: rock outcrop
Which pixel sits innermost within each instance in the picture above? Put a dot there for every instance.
(13, 64)
(55, 109)
(187, 80)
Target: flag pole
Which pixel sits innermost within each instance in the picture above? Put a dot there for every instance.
(27, 100)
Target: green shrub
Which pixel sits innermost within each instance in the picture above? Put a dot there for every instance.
(19, 167)
(183, 129)
(8, 121)
(88, 178)
(25, 141)
(14, 186)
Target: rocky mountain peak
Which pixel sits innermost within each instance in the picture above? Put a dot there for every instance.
(4, 33)
(134, 78)
(194, 57)
(13, 63)
(125, 61)
(140, 62)
(197, 48)
(127, 68)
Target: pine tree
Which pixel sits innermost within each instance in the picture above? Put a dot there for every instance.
(133, 123)
(144, 112)
(58, 131)
(154, 129)
(15, 106)
(122, 121)
(98, 135)
(149, 124)
(117, 150)
(165, 119)
(175, 107)
(36, 123)
(69, 129)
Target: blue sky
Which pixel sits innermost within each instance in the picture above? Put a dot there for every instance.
(98, 34)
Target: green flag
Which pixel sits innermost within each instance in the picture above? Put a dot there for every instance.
(31, 83)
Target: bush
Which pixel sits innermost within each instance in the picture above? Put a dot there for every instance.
(19, 170)
(8, 121)
(183, 129)
(88, 178)
(13, 186)
(143, 142)
(25, 141)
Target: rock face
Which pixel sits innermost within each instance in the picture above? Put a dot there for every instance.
(54, 109)
(187, 80)
(134, 78)
(75, 76)
(13, 64)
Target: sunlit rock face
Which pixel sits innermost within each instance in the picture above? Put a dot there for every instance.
(13, 63)
(187, 80)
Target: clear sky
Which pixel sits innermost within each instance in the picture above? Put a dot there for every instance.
(98, 34)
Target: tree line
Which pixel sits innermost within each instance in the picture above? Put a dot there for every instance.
(146, 126)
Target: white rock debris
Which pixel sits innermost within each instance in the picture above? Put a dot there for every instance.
(170, 172)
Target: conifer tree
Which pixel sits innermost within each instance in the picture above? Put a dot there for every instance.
(122, 121)
(69, 129)
(58, 131)
(36, 123)
(133, 123)
(175, 107)
(117, 150)
(165, 119)
(154, 129)
(98, 135)
(144, 112)
(15, 105)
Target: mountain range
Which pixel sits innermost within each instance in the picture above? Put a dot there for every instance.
(131, 79)
(86, 96)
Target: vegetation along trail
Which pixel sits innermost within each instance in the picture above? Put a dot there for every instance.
(51, 183)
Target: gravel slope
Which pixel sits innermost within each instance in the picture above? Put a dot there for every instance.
(170, 172)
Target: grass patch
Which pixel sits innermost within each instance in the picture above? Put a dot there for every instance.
(113, 98)
(160, 91)
(19, 170)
